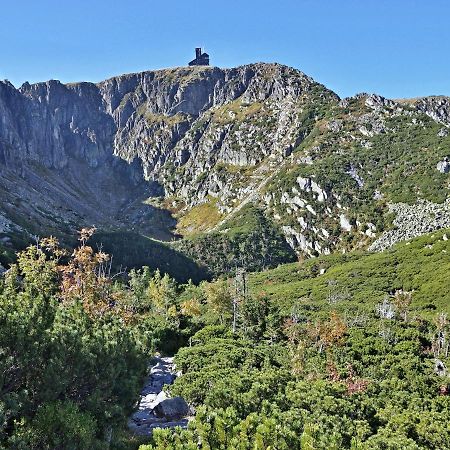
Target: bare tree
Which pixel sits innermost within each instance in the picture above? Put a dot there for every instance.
(335, 293)
(385, 310)
(440, 345)
(402, 300)
(240, 294)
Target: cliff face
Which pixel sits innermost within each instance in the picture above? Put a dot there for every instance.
(56, 158)
(88, 153)
(202, 143)
(195, 118)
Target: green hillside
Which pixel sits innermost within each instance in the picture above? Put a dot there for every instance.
(346, 351)
(338, 352)
(361, 280)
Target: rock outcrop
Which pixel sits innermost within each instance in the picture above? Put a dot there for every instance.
(443, 166)
(92, 153)
(437, 107)
(412, 221)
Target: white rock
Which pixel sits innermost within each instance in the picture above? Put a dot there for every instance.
(377, 195)
(344, 222)
(354, 174)
(443, 166)
(302, 222)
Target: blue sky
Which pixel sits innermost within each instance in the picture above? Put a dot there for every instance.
(398, 48)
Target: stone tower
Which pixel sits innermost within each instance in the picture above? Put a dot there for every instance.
(201, 59)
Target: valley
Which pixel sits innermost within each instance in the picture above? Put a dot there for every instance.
(210, 258)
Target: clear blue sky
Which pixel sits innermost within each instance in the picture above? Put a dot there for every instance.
(398, 48)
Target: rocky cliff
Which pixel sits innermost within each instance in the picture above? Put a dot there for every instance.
(198, 145)
(91, 147)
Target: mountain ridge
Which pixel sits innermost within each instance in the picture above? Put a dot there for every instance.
(181, 150)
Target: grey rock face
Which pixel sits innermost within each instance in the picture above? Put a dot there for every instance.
(378, 102)
(57, 167)
(87, 153)
(443, 166)
(83, 153)
(178, 115)
(438, 108)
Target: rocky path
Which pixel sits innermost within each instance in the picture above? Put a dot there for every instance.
(155, 409)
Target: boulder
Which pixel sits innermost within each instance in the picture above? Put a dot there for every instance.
(443, 132)
(443, 166)
(172, 408)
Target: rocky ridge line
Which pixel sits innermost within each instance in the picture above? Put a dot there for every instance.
(94, 153)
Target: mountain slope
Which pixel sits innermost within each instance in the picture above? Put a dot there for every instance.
(186, 151)
(322, 354)
(362, 280)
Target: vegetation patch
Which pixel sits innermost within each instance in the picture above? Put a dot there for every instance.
(236, 111)
(249, 240)
(201, 217)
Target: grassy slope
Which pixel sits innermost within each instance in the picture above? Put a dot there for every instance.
(422, 265)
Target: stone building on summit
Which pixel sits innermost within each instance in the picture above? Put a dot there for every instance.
(201, 59)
